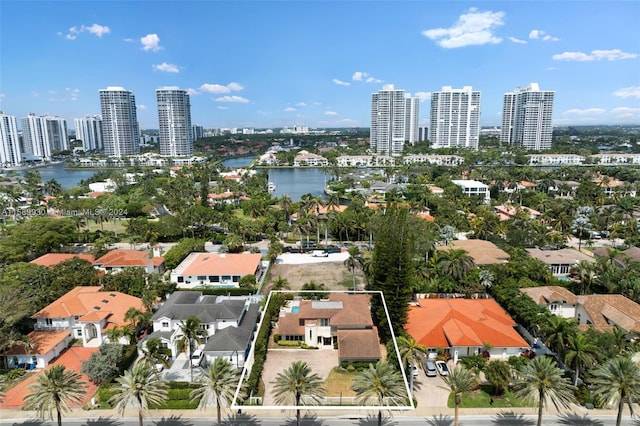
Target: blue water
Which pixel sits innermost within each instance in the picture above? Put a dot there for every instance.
(66, 178)
(295, 309)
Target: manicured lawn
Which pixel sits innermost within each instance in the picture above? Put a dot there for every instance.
(121, 226)
(481, 398)
(339, 382)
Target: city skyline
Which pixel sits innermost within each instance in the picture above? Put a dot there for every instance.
(271, 64)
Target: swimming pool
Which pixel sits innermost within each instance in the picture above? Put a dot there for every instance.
(295, 309)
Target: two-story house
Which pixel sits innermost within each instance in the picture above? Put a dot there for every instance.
(119, 259)
(199, 270)
(343, 318)
(228, 323)
(84, 313)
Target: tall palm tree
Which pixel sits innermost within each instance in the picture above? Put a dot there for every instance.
(54, 390)
(540, 381)
(455, 263)
(411, 353)
(617, 382)
(352, 262)
(557, 331)
(498, 373)
(381, 383)
(580, 354)
(458, 382)
(486, 279)
(139, 388)
(217, 385)
(189, 333)
(155, 354)
(297, 382)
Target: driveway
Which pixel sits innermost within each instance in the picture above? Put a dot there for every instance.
(429, 392)
(321, 361)
(72, 358)
(179, 371)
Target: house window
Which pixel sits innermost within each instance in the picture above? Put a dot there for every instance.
(324, 322)
(48, 321)
(204, 326)
(236, 278)
(79, 333)
(226, 278)
(180, 279)
(216, 279)
(165, 325)
(202, 278)
(553, 307)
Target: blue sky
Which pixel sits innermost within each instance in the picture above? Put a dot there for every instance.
(275, 63)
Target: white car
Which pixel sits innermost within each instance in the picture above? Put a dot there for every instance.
(319, 253)
(442, 368)
(415, 371)
(196, 358)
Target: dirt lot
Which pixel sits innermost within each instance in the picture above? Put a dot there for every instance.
(334, 275)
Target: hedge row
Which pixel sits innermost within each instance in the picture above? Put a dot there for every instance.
(260, 351)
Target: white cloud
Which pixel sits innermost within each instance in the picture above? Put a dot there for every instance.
(222, 107)
(289, 109)
(238, 99)
(151, 42)
(595, 55)
(35, 94)
(301, 104)
(423, 96)
(73, 93)
(535, 34)
(220, 88)
(95, 29)
(330, 113)
(625, 110)
(141, 106)
(472, 28)
(628, 92)
(129, 40)
(165, 67)
(192, 92)
(586, 111)
(364, 76)
(517, 40)
(550, 38)
(340, 82)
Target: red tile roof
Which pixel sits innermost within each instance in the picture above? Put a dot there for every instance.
(91, 304)
(41, 343)
(52, 259)
(462, 322)
(482, 252)
(219, 264)
(359, 344)
(122, 258)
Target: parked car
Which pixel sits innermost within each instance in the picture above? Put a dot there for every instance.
(319, 253)
(414, 370)
(430, 368)
(196, 358)
(442, 368)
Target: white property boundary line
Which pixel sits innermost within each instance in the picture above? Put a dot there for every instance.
(246, 372)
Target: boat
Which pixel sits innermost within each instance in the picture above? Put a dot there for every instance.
(271, 187)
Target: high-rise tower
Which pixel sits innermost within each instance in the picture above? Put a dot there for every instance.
(35, 137)
(526, 118)
(120, 133)
(10, 155)
(455, 118)
(174, 117)
(89, 131)
(394, 120)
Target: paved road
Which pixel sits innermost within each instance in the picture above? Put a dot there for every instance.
(501, 419)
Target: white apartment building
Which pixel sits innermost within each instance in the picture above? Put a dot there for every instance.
(555, 159)
(120, 132)
(10, 155)
(439, 160)
(455, 118)
(174, 117)
(89, 131)
(394, 120)
(365, 161)
(616, 159)
(305, 158)
(36, 138)
(473, 188)
(526, 117)
(57, 130)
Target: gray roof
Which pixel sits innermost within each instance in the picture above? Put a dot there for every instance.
(183, 304)
(166, 335)
(235, 338)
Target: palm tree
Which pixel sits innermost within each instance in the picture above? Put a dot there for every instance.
(540, 381)
(352, 262)
(217, 384)
(411, 353)
(557, 331)
(617, 381)
(587, 274)
(458, 382)
(139, 388)
(498, 373)
(55, 388)
(189, 332)
(297, 382)
(580, 354)
(381, 383)
(486, 279)
(155, 354)
(455, 263)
